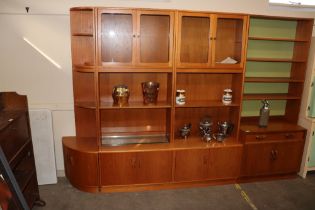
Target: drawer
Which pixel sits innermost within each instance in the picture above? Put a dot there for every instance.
(274, 136)
(13, 137)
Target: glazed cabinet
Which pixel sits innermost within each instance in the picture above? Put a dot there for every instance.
(135, 37)
(211, 40)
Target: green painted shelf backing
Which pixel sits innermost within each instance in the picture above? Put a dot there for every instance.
(251, 108)
(311, 163)
(270, 49)
(265, 88)
(272, 28)
(267, 69)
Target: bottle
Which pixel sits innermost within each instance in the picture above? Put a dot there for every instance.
(264, 114)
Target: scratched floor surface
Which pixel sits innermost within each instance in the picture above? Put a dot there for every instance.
(290, 194)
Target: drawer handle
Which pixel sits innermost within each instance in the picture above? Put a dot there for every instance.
(133, 162)
(260, 137)
(288, 135)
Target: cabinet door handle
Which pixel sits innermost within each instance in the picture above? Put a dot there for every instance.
(288, 135)
(272, 155)
(138, 35)
(133, 162)
(260, 137)
(276, 154)
(134, 36)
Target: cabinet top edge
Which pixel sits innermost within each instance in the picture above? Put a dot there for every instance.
(91, 8)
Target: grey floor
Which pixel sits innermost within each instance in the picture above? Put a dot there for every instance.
(292, 194)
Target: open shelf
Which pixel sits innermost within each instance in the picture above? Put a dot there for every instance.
(273, 80)
(271, 96)
(206, 103)
(83, 34)
(135, 105)
(86, 104)
(274, 60)
(276, 39)
(134, 139)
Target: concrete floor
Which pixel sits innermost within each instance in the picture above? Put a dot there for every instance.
(292, 194)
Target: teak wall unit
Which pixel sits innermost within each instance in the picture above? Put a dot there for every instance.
(180, 50)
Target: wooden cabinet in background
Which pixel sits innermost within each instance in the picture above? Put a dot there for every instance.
(16, 143)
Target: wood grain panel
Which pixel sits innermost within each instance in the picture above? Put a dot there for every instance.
(225, 163)
(81, 22)
(191, 165)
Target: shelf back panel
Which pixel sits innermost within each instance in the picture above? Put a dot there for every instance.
(268, 69)
(272, 28)
(251, 108)
(270, 49)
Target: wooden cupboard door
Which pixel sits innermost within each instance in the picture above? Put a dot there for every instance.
(191, 165)
(194, 42)
(154, 167)
(81, 167)
(229, 41)
(116, 37)
(225, 162)
(118, 168)
(272, 158)
(155, 38)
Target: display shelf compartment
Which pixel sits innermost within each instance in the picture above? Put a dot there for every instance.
(229, 40)
(135, 105)
(272, 28)
(107, 81)
(268, 69)
(195, 115)
(85, 121)
(266, 88)
(83, 50)
(134, 139)
(125, 123)
(84, 89)
(203, 88)
(82, 22)
(251, 107)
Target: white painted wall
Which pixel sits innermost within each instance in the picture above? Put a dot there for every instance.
(47, 26)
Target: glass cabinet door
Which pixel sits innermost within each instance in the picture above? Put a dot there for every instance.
(117, 36)
(229, 41)
(194, 40)
(155, 37)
